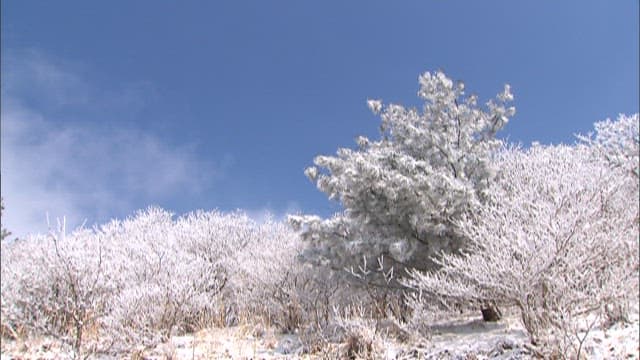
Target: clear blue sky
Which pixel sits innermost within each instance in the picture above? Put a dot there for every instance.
(111, 106)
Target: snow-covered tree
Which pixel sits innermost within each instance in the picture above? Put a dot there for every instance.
(403, 193)
(618, 142)
(4, 233)
(557, 239)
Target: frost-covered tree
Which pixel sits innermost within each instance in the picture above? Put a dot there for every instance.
(403, 193)
(4, 233)
(557, 239)
(618, 142)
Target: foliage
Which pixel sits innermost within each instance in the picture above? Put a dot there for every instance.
(549, 230)
(141, 280)
(618, 142)
(402, 194)
(557, 238)
(55, 286)
(4, 233)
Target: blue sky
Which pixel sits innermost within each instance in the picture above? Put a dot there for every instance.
(108, 107)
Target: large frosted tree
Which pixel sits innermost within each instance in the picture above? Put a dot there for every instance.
(403, 193)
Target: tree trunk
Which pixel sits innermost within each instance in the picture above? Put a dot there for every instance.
(490, 312)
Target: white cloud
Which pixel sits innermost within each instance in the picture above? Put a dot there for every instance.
(262, 215)
(80, 170)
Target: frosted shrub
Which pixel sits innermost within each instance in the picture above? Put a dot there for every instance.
(269, 276)
(56, 285)
(217, 241)
(361, 337)
(558, 239)
(273, 282)
(140, 280)
(209, 268)
(166, 287)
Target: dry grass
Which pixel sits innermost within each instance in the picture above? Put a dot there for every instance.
(463, 336)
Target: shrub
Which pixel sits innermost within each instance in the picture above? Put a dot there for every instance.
(558, 240)
(141, 280)
(57, 286)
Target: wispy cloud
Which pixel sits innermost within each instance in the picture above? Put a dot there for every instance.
(30, 75)
(264, 214)
(81, 170)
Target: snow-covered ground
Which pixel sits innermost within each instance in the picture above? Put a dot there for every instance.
(465, 337)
